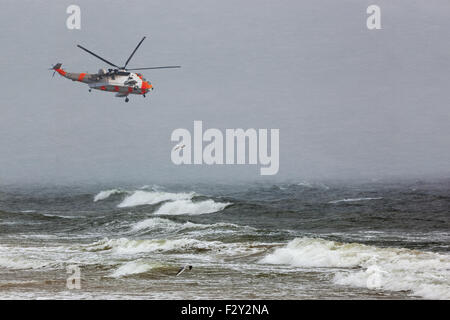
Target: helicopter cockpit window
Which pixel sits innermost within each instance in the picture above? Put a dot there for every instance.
(140, 76)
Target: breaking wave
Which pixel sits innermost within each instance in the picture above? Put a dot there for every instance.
(189, 207)
(142, 197)
(103, 195)
(134, 267)
(128, 246)
(20, 263)
(424, 274)
(166, 226)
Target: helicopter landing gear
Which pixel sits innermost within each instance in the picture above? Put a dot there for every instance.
(143, 95)
(90, 90)
(126, 99)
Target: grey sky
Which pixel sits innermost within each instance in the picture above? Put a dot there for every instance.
(349, 102)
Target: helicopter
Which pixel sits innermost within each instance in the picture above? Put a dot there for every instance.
(119, 80)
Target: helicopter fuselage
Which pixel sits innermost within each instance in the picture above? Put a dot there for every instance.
(122, 83)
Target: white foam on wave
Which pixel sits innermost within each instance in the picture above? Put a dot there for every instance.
(424, 274)
(134, 267)
(20, 263)
(44, 257)
(105, 194)
(189, 207)
(209, 249)
(354, 200)
(165, 224)
(128, 246)
(141, 197)
(168, 226)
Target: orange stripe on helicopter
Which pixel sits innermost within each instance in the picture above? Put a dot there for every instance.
(81, 77)
(130, 89)
(61, 72)
(103, 88)
(116, 88)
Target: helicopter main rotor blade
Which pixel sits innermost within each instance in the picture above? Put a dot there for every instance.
(166, 67)
(54, 70)
(111, 64)
(132, 54)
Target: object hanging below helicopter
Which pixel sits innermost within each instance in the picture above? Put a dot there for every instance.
(118, 80)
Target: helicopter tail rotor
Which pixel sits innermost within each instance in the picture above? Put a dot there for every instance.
(55, 67)
(53, 72)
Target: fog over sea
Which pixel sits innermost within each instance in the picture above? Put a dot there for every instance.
(296, 240)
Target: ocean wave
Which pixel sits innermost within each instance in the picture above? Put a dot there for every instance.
(354, 200)
(305, 184)
(134, 267)
(169, 226)
(141, 197)
(189, 207)
(60, 216)
(310, 185)
(210, 249)
(424, 274)
(129, 246)
(153, 187)
(21, 263)
(40, 215)
(105, 194)
(19, 283)
(159, 223)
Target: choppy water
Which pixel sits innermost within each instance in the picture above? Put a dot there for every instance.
(285, 241)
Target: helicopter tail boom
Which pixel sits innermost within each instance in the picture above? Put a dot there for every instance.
(81, 77)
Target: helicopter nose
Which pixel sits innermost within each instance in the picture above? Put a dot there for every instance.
(147, 85)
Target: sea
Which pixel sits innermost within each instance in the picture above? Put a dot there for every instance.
(261, 240)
